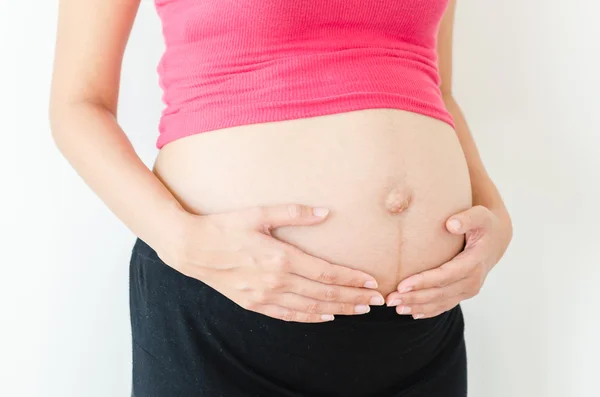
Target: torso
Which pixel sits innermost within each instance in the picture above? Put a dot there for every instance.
(390, 178)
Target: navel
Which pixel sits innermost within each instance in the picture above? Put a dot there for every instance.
(397, 200)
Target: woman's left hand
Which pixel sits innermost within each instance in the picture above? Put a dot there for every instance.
(438, 290)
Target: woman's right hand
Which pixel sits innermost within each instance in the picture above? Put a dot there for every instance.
(235, 254)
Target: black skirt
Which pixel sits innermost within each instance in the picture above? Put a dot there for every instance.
(191, 341)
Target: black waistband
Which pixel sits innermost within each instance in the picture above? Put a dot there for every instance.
(210, 343)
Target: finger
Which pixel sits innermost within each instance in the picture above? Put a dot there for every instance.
(266, 218)
(450, 272)
(428, 295)
(319, 270)
(473, 218)
(303, 304)
(334, 293)
(286, 314)
(427, 310)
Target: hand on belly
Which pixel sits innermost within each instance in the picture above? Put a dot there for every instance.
(390, 239)
(389, 178)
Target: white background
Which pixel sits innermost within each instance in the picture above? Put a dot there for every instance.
(527, 77)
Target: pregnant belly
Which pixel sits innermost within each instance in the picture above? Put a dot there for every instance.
(390, 179)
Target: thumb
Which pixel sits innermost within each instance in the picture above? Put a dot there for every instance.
(474, 217)
(267, 218)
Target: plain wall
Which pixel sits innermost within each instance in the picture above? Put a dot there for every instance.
(526, 76)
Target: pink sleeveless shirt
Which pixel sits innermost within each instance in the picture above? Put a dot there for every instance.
(236, 62)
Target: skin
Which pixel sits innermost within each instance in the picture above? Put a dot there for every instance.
(487, 226)
(232, 252)
(236, 252)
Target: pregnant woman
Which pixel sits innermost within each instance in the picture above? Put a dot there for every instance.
(318, 208)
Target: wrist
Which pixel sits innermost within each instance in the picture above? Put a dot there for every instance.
(185, 238)
(171, 229)
(505, 222)
(486, 194)
(504, 230)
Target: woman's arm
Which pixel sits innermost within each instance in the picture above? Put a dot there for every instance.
(484, 190)
(232, 252)
(90, 43)
(486, 225)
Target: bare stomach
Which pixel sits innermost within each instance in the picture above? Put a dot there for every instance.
(390, 178)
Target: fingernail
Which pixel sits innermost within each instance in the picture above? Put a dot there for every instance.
(371, 284)
(326, 317)
(377, 301)
(418, 316)
(395, 302)
(359, 309)
(406, 289)
(320, 212)
(404, 309)
(454, 224)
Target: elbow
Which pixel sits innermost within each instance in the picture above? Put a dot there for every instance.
(59, 108)
(55, 114)
(63, 109)
(58, 114)
(61, 115)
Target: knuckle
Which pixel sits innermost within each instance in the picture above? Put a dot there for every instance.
(330, 294)
(262, 296)
(295, 211)
(252, 261)
(327, 277)
(362, 298)
(441, 294)
(242, 285)
(307, 317)
(354, 281)
(408, 299)
(274, 281)
(416, 309)
(313, 307)
(288, 315)
(313, 318)
(416, 299)
(279, 262)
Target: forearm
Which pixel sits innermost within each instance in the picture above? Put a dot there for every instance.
(90, 138)
(484, 190)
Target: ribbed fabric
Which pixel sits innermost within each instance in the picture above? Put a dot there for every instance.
(237, 62)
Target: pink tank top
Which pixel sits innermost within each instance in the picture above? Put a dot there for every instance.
(236, 62)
